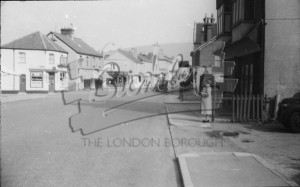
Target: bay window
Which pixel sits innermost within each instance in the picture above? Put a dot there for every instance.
(224, 18)
(243, 10)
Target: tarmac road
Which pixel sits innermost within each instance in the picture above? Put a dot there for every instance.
(40, 149)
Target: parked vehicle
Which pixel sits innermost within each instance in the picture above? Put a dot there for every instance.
(289, 113)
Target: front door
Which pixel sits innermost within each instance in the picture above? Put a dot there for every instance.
(51, 82)
(87, 84)
(22, 83)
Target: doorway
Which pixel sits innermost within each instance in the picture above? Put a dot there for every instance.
(51, 82)
(22, 83)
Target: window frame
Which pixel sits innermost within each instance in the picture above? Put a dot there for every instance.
(22, 58)
(224, 24)
(51, 58)
(31, 79)
(219, 60)
(240, 11)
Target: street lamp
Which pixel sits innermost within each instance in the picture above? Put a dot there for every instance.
(102, 52)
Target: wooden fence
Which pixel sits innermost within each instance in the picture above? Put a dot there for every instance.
(248, 108)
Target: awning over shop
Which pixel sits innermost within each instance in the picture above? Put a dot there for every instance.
(247, 45)
(241, 48)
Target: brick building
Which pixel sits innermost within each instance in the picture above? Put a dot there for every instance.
(262, 38)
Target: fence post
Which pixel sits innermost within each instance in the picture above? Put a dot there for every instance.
(257, 107)
(262, 107)
(233, 108)
(248, 111)
(277, 100)
(237, 108)
(241, 113)
(253, 107)
(245, 108)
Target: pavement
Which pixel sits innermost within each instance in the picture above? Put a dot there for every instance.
(8, 98)
(216, 160)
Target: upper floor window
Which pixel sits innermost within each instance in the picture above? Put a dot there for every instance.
(63, 60)
(51, 58)
(243, 10)
(22, 57)
(218, 62)
(80, 61)
(224, 18)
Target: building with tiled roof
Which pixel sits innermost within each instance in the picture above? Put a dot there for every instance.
(138, 67)
(33, 63)
(83, 59)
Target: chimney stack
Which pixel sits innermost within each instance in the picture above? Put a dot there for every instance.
(68, 31)
(208, 27)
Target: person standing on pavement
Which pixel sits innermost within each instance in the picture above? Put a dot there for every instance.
(206, 104)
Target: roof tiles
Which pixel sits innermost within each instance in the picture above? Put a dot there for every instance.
(34, 41)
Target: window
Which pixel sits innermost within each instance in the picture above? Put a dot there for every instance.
(80, 62)
(36, 79)
(62, 76)
(51, 58)
(218, 62)
(22, 58)
(224, 18)
(243, 10)
(63, 60)
(249, 10)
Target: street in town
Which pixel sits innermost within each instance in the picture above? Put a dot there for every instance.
(68, 140)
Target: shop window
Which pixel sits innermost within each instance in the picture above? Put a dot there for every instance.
(218, 62)
(22, 58)
(51, 58)
(36, 79)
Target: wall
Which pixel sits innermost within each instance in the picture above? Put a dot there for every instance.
(207, 56)
(282, 46)
(8, 82)
(34, 60)
(124, 63)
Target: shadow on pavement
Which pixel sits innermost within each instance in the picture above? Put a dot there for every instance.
(273, 127)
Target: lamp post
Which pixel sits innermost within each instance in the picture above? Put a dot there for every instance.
(102, 52)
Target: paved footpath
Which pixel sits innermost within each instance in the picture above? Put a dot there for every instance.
(208, 158)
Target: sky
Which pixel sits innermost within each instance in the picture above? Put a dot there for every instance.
(127, 23)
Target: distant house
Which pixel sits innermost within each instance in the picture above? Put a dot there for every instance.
(83, 60)
(130, 66)
(33, 63)
(138, 67)
(161, 63)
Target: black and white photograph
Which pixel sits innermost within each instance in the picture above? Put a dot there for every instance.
(150, 93)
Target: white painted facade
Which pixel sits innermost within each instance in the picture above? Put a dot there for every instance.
(37, 63)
